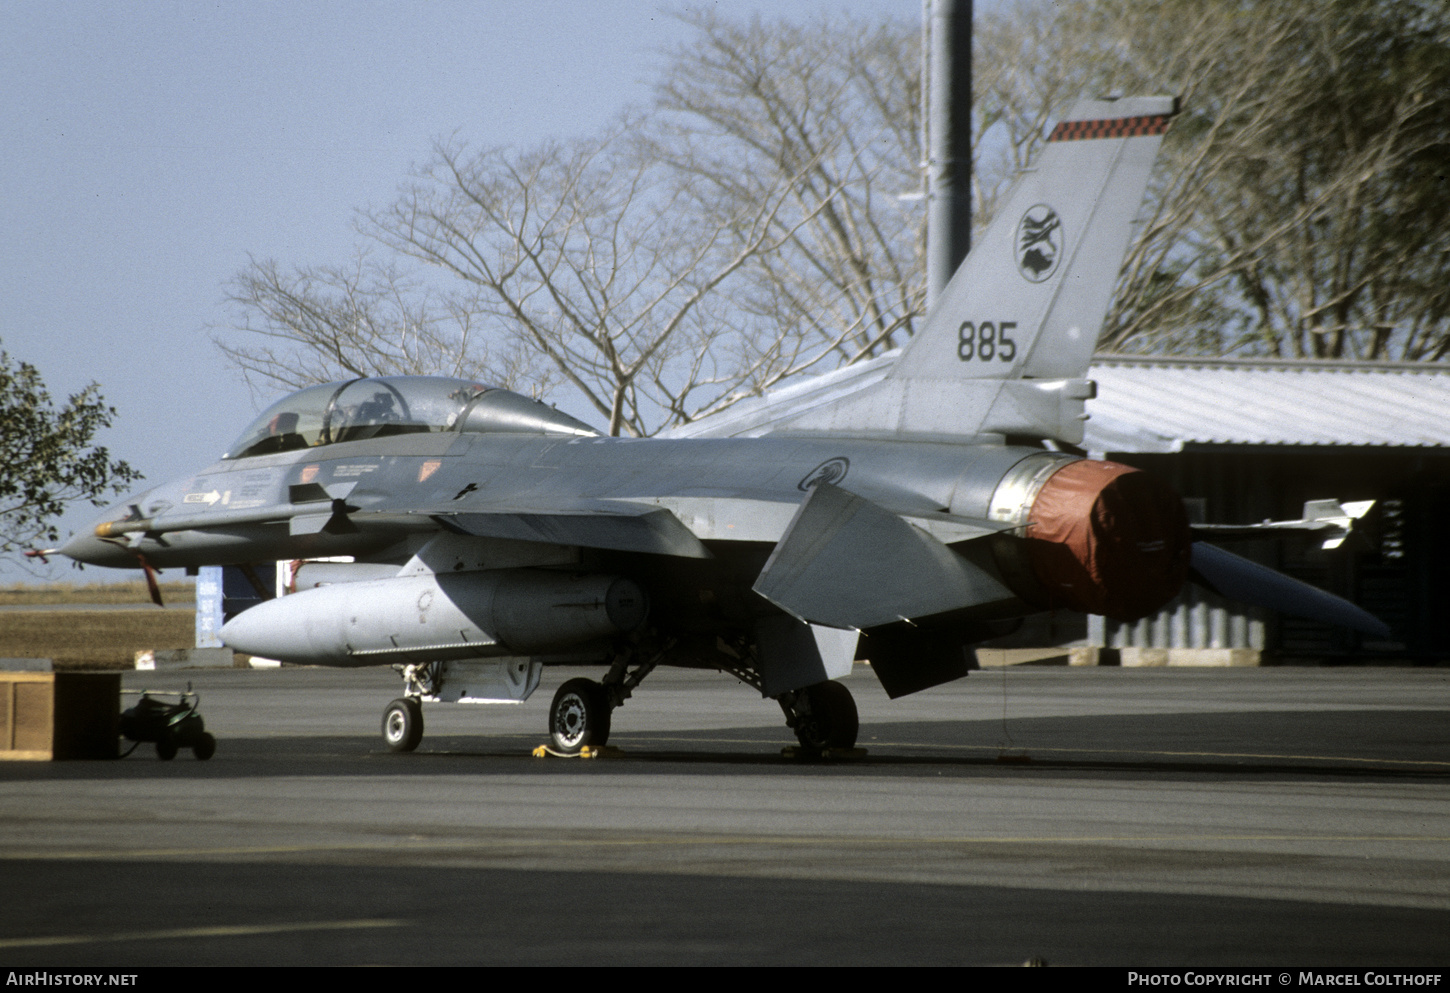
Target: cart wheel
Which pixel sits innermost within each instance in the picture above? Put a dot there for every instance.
(205, 746)
(166, 748)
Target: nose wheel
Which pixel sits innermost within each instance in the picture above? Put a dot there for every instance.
(579, 716)
(403, 724)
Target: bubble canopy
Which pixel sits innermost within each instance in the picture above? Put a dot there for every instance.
(360, 409)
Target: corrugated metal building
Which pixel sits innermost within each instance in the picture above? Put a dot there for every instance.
(1249, 440)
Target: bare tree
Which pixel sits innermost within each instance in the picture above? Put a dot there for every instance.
(1023, 78)
(1299, 207)
(760, 221)
(763, 220)
(747, 229)
(316, 325)
(590, 255)
(1298, 211)
(829, 111)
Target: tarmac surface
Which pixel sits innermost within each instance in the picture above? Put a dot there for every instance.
(1281, 816)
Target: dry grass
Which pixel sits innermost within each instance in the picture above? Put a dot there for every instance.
(93, 639)
(21, 595)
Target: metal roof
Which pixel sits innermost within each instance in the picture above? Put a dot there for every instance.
(1161, 405)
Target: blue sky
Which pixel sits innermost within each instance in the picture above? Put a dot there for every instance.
(151, 149)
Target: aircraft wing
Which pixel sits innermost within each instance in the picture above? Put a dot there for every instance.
(678, 525)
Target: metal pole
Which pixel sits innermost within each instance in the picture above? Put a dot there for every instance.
(949, 131)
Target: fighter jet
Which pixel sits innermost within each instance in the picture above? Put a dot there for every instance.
(901, 511)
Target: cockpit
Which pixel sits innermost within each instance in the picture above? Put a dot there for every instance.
(377, 407)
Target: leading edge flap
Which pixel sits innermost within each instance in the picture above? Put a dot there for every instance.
(648, 529)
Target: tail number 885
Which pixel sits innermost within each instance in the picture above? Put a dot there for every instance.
(986, 341)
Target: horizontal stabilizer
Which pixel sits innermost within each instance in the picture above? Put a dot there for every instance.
(842, 553)
(650, 529)
(1248, 582)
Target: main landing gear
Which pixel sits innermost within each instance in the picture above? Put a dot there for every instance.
(823, 716)
(579, 716)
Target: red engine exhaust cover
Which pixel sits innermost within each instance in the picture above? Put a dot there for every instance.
(1108, 539)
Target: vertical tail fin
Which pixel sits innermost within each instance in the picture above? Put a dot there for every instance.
(1047, 265)
(1004, 348)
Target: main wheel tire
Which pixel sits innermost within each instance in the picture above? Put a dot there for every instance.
(832, 721)
(403, 724)
(579, 716)
(166, 747)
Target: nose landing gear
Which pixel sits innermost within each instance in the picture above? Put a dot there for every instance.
(403, 724)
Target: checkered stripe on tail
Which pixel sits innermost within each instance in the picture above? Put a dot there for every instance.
(1115, 127)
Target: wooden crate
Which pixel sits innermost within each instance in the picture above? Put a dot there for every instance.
(59, 715)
